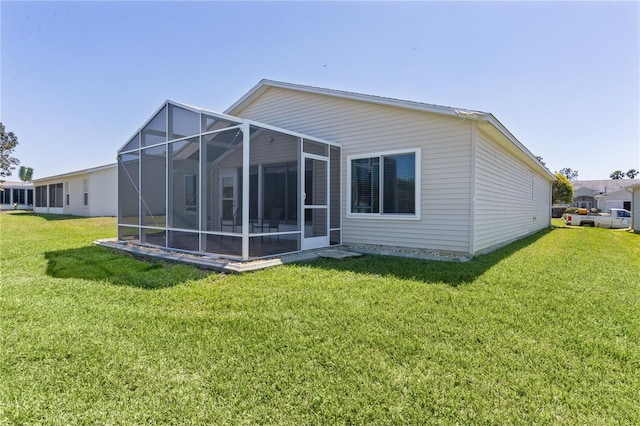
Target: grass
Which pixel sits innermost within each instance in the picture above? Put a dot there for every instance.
(546, 330)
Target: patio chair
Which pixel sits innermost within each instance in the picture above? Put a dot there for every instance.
(271, 223)
(232, 222)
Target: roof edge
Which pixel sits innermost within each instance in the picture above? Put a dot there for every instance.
(77, 172)
(264, 84)
(461, 113)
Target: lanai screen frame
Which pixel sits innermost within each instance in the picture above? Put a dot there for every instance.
(135, 229)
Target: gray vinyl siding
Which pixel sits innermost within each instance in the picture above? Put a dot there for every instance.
(511, 200)
(365, 128)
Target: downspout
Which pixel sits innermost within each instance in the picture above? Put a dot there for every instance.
(473, 117)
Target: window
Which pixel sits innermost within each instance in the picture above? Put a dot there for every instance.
(41, 196)
(5, 196)
(384, 184)
(55, 195)
(66, 194)
(19, 196)
(85, 193)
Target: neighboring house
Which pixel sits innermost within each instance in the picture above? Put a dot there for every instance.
(603, 194)
(290, 167)
(635, 205)
(88, 192)
(16, 194)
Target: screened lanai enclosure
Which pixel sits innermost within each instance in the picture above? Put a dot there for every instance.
(199, 181)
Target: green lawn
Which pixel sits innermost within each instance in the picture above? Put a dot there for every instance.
(546, 330)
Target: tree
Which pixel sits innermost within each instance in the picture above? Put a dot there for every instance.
(569, 173)
(617, 175)
(631, 174)
(26, 174)
(561, 190)
(8, 143)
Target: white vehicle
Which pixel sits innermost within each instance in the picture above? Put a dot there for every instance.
(615, 219)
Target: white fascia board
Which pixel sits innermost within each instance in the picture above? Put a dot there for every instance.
(12, 184)
(254, 91)
(76, 173)
(380, 100)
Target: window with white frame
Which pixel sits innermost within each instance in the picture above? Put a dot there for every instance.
(384, 184)
(85, 192)
(67, 197)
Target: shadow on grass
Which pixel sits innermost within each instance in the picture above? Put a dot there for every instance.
(45, 216)
(432, 271)
(101, 263)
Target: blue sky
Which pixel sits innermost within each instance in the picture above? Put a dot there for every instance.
(79, 78)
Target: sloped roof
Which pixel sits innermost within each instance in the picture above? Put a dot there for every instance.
(604, 185)
(15, 184)
(77, 172)
(482, 117)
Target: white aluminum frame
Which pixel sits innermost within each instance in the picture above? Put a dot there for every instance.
(243, 125)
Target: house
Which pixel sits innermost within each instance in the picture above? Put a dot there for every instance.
(635, 205)
(289, 168)
(603, 194)
(87, 192)
(16, 195)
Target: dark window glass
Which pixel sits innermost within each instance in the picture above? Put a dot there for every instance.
(5, 196)
(398, 184)
(56, 195)
(19, 196)
(365, 182)
(41, 196)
